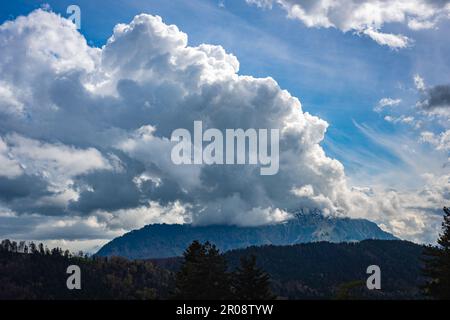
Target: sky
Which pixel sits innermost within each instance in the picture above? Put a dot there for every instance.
(359, 89)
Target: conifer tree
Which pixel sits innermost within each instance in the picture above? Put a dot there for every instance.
(437, 263)
(203, 274)
(250, 282)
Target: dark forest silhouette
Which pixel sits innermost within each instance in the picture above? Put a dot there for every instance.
(312, 270)
(30, 271)
(437, 263)
(204, 275)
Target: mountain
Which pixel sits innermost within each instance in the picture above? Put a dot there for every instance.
(165, 240)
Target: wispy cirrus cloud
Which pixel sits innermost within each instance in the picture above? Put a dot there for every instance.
(386, 102)
(365, 17)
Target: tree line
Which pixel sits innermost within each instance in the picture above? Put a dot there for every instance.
(33, 271)
(32, 248)
(29, 271)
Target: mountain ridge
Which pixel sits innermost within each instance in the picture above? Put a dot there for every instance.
(170, 240)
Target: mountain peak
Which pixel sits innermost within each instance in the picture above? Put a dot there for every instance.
(170, 240)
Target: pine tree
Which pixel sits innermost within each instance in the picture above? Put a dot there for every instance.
(188, 275)
(437, 263)
(250, 282)
(203, 274)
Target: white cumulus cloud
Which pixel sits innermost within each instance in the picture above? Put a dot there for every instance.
(88, 144)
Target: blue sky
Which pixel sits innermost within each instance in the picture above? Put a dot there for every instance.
(397, 157)
(338, 76)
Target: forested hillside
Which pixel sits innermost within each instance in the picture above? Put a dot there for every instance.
(304, 271)
(338, 270)
(333, 270)
(41, 274)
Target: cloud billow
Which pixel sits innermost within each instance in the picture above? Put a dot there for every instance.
(85, 133)
(100, 119)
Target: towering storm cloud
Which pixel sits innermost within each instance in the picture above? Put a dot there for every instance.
(85, 135)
